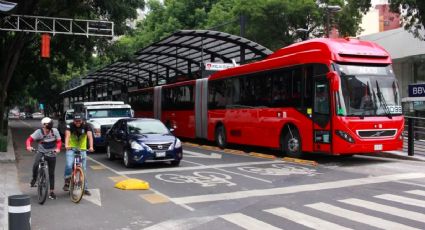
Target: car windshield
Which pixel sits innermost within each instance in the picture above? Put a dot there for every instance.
(146, 127)
(69, 116)
(103, 113)
(368, 91)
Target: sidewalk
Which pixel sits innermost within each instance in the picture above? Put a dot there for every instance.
(8, 180)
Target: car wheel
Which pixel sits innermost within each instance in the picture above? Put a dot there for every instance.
(109, 155)
(175, 163)
(220, 137)
(127, 160)
(291, 143)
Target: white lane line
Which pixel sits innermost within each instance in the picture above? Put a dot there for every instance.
(416, 216)
(411, 183)
(239, 174)
(402, 199)
(417, 192)
(304, 219)
(180, 169)
(153, 190)
(188, 223)
(296, 188)
(359, 217)
(247, 222)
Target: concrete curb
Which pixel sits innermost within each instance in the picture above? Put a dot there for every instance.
(9, 182)
(403, 155)
(9, 155)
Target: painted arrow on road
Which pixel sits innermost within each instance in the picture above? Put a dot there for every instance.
(201, 155)
(94, 197)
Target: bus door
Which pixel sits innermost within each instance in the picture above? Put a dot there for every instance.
(201, 108)
(321, 115)
(157, 104)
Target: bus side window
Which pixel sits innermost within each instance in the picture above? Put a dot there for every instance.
(296, 87)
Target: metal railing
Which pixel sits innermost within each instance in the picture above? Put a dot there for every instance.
(414, 130)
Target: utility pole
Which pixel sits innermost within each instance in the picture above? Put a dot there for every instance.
(329, 9)
(242, 23)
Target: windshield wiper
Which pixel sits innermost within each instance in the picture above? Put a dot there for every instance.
(383, 101)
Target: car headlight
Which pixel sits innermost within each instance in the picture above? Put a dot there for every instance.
(97, 132)
(145, 146)
(136, 146)
(178, 144)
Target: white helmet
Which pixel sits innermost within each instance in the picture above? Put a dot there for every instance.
(46, 120)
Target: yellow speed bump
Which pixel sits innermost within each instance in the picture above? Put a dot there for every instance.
(262, 155)
(132, 184)
(300, 161)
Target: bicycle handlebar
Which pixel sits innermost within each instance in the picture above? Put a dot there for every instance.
(44, 153)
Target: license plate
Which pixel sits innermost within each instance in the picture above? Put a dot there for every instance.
(378, 147)
(160, 154)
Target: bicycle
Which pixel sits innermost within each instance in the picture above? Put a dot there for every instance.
(77, 182)
(43, 182)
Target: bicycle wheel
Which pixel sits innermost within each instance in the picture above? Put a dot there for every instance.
(77, 185)
(42, 184)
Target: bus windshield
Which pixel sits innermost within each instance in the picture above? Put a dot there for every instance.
(106, 113)
(368, 91)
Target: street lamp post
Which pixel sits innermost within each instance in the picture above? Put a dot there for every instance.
(329, 10)
(302, 33)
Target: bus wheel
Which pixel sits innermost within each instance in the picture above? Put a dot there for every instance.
(220, 136)
(292, 143)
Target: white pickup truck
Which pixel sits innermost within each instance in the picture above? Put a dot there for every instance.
(101, 115)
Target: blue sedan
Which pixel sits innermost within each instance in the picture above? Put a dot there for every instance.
(140, 140)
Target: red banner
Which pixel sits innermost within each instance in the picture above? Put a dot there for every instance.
(45, 46)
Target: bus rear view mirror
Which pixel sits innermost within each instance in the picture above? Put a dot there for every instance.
(333, 80)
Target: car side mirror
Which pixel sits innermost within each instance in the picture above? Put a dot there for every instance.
(171, 130)
(333, 80)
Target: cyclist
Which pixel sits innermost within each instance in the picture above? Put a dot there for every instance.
(76, 135)
(49, 140)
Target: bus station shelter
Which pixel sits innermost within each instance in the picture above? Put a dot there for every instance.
(178, 57)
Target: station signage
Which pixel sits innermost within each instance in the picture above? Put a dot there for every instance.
(211, 66)
(417, 90)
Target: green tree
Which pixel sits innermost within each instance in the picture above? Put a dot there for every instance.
(22, 49)
(274, 23)
(162, 20)
(412, 13)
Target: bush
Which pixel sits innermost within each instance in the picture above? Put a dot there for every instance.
(3, 143)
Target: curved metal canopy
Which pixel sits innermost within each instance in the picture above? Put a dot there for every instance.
(180, 56)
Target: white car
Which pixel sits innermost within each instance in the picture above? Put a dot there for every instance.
(37, 115)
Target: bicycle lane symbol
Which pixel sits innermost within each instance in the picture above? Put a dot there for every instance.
(204, 179)
(280, 170)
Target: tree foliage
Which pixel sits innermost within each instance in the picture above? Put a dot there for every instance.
(24, 73)
(272, 23)
(413, 15)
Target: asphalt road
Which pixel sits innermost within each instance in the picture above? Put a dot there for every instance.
(246, 188)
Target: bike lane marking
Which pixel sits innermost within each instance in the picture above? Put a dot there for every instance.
(199, 167)
(239, 174)
(151, 189)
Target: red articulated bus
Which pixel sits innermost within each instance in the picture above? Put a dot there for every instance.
(334, 96)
